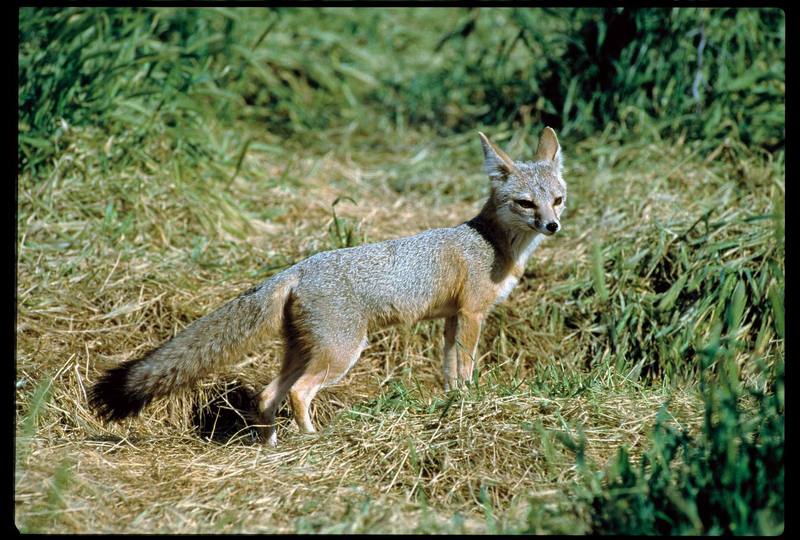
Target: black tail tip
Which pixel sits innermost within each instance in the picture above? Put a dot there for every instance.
(110, 398)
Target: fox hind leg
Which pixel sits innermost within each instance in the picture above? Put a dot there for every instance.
(327, 366)
(301, 395)
(273, 395)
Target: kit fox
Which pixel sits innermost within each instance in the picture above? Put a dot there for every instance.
(324, 305)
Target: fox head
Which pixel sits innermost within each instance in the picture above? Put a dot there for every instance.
(528, 195)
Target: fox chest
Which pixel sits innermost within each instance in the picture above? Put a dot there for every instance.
(504, 288)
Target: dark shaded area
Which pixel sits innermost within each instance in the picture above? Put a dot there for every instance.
(231, 412)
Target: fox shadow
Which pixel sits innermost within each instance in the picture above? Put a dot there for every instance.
(229, 412)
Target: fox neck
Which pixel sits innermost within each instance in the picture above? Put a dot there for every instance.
(512, 245)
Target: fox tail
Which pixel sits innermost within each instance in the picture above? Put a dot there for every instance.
(202, 347)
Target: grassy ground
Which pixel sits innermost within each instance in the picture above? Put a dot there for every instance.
(170, 159)
(108, 270)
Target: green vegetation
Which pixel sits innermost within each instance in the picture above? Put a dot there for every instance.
(731, 477)
(704, 74)
(632, 384)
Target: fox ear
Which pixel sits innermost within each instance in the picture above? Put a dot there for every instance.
(549, 148)
(496, 162)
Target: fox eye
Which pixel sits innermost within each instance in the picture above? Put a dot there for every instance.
(558, 201)
(525, 203)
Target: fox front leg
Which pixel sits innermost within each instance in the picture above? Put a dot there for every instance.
(461, 334)
(450, 362)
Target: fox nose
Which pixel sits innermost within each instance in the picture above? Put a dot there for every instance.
(552, 226)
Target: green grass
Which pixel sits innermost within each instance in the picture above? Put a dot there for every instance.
(702, 73)
(727, 480)
(169, 159)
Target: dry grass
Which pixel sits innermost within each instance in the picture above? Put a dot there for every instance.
(366, 471)
(108, 270)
